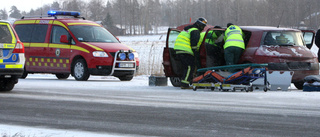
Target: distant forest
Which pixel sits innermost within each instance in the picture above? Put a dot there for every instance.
(145, 16)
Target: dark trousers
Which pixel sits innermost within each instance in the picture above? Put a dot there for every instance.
(214, 55)
(188, 66)
(232, 55)
(319, 55)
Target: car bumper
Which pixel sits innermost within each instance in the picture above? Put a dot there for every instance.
(300, 69)
(107, 70)
(16, 72)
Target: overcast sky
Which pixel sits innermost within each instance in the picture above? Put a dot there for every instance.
(24, 5)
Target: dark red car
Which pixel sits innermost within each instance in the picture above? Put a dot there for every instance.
(262, 46)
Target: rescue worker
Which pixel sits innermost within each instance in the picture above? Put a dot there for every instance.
(197, 53)
(317, 42)
(186, 46)
(213, 48)
(234, 44)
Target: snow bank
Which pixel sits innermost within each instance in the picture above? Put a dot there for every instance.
(150, 50)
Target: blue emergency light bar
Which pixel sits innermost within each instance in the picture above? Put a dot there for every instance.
(63, 13)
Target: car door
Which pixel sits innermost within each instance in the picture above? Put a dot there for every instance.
(308, 36)
(170, 62)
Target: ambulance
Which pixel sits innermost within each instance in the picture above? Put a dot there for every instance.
(64, 43)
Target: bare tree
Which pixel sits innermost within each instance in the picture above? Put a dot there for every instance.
(142, 16)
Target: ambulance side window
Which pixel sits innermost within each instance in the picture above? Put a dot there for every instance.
(56, 33)
(32, 33)
(39, 33)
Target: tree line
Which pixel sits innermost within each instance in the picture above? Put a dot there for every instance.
(145, 16)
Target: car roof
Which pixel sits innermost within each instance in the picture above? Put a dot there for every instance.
(4, 21)
(266, 28)
(66, 21)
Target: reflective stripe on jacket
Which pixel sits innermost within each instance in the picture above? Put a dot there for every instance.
(182, 43)
(233, 37)
(200, 40)
(211, 37)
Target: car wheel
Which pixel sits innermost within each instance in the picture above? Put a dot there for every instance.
(175, 81)
(126, 78)
(7, 84)
(80, 70)
(62, 76)
(299, 85)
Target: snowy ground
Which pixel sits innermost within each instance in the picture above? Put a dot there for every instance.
(142, 82)
(150, 53)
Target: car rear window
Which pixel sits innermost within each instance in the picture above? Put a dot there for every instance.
(5, 35)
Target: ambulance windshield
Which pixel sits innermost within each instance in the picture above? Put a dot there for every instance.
(92, 34)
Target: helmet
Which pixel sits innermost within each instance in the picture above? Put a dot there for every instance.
(201, 22)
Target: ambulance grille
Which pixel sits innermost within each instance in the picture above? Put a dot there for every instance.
(112, 54)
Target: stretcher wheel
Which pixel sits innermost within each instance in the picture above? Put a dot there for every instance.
(265, 89)
(194, 88)
(249, 89)
(212, 88)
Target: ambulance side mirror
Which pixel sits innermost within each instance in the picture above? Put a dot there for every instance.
(64, 39)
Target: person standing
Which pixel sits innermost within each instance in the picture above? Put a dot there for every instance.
(185, 47)
(214, 47)
(317, 42)
(234, 44)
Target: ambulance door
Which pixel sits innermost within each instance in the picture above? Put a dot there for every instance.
(37, 48)
(59, 53)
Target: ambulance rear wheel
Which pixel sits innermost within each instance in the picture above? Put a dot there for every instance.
(62, 76)
(80, 70)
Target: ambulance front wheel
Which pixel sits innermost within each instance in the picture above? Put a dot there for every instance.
(80, 70)
(126, 78)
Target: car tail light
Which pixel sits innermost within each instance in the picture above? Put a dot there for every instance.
(19, 48)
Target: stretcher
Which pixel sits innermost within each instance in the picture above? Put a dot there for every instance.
(241, 80)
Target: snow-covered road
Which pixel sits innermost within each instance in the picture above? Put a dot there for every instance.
(276, 106)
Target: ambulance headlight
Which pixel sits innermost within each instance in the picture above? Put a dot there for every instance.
(131, 56)
(122, 55)
(100, 54)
